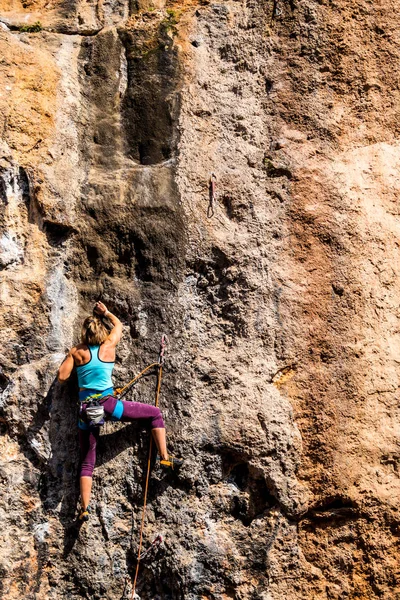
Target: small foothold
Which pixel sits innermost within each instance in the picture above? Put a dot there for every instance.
(338, 289)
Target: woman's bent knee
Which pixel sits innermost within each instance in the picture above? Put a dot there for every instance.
(157, 421)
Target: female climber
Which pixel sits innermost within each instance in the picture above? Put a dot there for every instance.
(94, 361)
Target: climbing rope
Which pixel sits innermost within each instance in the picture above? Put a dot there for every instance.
(164, 342)
(121, 392)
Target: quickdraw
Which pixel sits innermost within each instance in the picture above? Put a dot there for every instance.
(155, 544)
(163, 345)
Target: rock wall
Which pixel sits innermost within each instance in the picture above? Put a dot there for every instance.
(279, 297)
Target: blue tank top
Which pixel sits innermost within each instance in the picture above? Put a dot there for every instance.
(96, 374)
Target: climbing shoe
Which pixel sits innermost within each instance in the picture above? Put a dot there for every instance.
(84, 514)
(170, 464)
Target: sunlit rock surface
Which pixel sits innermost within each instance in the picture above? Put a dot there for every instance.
(280, 297)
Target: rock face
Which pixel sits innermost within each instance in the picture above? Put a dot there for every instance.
(279, 296)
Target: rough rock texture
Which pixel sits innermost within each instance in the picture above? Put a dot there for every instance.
(280, 298)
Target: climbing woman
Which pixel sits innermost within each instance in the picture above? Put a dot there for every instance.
(94, 360)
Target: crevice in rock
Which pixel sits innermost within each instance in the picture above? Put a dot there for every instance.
(93, 257)
(3, 191)
(24, 185)
(57, 233)
(166, 586)
(334, 509)
(253, 495)
(4, 380)
(60, 30)
(150, 104)
(239, 476)
(284, 373)
(42, 557)
(337, 289)
(268, 85)
(85, 33)
(273, 170)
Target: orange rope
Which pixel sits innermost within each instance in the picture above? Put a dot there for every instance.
(119, 391)
(147, 479)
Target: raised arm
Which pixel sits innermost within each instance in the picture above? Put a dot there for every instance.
(116, 332)
(65, 370)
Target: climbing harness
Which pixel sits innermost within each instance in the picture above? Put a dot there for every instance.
(159, 364)
(212, 195)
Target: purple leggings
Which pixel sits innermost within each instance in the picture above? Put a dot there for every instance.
(132, 411)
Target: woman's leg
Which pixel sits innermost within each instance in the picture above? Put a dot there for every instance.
(88, 442)
(137, 411)
(161, 442)
(86, 490)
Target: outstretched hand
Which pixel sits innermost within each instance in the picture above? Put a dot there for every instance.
(100, 308)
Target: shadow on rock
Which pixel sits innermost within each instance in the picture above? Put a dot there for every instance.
(110, 445)
(53, 448)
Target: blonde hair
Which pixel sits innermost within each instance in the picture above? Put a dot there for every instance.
(94, 332)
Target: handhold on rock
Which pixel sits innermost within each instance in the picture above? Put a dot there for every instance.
(278, 144)
(10, 250)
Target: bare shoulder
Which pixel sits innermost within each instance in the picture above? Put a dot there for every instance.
(77, 349)
(110, 342)
(79, 353)
(107, 351)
